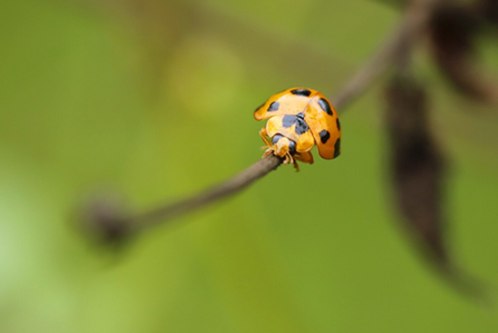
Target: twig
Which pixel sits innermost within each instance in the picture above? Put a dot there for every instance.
(113, 226)
(232, 185)
(413, 23)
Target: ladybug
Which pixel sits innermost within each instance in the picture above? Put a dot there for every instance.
(298, 119)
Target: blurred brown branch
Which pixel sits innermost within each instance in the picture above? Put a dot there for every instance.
(410, 28)
(115, 225)
(417, 161)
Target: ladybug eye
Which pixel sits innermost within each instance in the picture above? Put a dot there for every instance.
(276, 138)
(292, 147)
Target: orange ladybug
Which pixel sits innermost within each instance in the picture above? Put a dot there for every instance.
(298, 119)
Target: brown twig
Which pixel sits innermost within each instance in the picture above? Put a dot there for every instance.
(108, 222)
(410, 27)
(114, 225)
(215, 193)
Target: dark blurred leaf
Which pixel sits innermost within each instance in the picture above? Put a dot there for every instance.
(418, 171)
(453, 29)
(488, 9)
(417, 164)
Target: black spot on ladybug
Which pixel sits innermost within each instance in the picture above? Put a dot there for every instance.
(274, 106)
(324, 136)
(288, 120)
(300, 115)
(325, 106)
(292, 147)
(301, 126)
(338, 124)
(337, 148)
(301, 92)
(276, 138)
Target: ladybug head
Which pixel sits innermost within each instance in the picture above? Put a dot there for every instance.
(283, 146)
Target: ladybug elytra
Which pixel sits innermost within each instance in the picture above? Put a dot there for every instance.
(298, 119)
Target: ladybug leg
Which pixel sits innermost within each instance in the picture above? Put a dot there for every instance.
(305, 157)
(269, 147)
(268, 151)
(264, 135)
(296, 166)
(291, 159)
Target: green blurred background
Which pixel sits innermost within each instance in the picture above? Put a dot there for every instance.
(155, 99)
